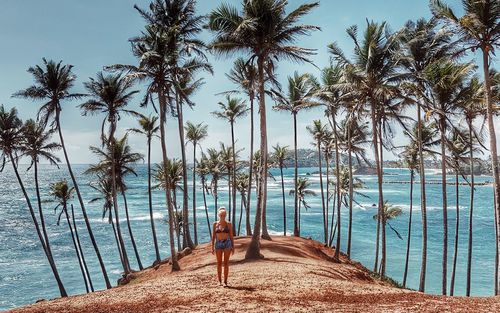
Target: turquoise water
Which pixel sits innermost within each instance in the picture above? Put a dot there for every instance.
(25, 275)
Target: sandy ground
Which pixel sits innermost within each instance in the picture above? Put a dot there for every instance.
(296, 275)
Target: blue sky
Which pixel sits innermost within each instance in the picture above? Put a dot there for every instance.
(93, 33)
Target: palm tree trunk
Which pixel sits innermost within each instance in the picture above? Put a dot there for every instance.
(188, 242)
(40, 211)
(250, 169)
(229, 193)
(115, 234)
(253, 251)
(383, 260)
(423, 201)
(234, 173)
(194, 196)
(471, 210)
(296, 223)
(150, 201)
(494, 157)
(242, 203)
(379, 181)
(408, 240)
(82, 205)
(216, 198)
(132, 239)
(457, 225)
(442, 123)
(351, 195)
(177, 226)
(325, 220)
(52, 264)
(332, 222)
(163, 137)
(84, 262)
(283, 196)
(339, 202)
(206, 208)
(327, 198)
(77, 252)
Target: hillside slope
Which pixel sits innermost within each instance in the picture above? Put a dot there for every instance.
(296, 275)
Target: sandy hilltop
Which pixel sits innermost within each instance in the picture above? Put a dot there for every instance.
(296, 275)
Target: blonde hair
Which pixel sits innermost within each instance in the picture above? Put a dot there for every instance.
(221, 210)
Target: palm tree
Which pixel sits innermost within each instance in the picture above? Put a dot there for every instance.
(445, 79)
(11, 128)
(422, 45)
(390, 212)
(372, 75)
(233, 109)
(479, 29)
(266, 34)
(242, 188)
(244, 75)
(110, 94)
(36, 145)
(63, 194)
(195, 134)
(216, 168)
(173, 168)
(301, 90)
(280, 155)
(53, 82)
(202, 170)
(353, 136)
(319, 131)
(458, 146)
(119, 156)
(149, 128)
(303, 191)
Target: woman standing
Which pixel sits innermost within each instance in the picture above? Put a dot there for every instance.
(222, 244)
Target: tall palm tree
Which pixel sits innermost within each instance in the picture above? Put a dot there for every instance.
(458, 146)
(110, 94)
(53, 83)
(37, 146)
(280, 155)
(479, 29)
(244, 75)
(230, 111)
(303, 191)
(445, 79)
(242, 187)
(301, 92)
(195, 134)
(215, 167)
(422, 45)
(372, 75)
(63, 194)
(149, 128)
(266, 33)
(202, 170)
(319, 131)
(10, 140)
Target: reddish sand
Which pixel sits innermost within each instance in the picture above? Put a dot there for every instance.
(296, 275)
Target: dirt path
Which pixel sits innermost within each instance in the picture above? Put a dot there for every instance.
(297, 275)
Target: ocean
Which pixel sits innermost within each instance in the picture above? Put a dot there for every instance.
(25, 275)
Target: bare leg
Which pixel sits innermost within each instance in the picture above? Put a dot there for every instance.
(218, 253)
(227, 254)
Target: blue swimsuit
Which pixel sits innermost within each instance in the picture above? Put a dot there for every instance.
(222, 244)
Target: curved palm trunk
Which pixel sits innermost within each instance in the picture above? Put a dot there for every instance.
(332, 222)
(253, 251)
(375, 141)
(471, 211)
(325, 220)
(283, 196)
(457, 224)
(383, 260)
(84, 262)
(423, 201)
(163, 137)
(250, 170)
(150, 201)
(327, 198)
(296, 222)
(77, 252)
(39, 233)
(229, 192)
(195, 228)
(442, 123)
(129, 226)
(242, 203)
(339, 202)
(408, 240)
(206, 208)
(117, 241)
(82, 205)
(40, 211)
(188, 242)
(494, 158)
(177, 226)
(351, 195)
(233, 194)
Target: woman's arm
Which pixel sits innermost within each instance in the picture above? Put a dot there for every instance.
(213, 237)
(231, 236)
